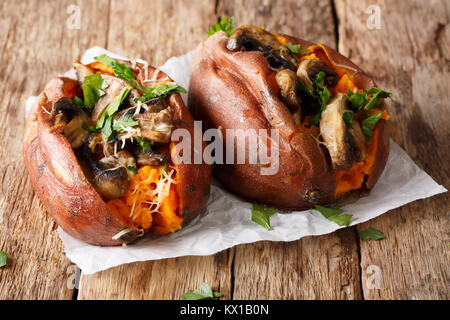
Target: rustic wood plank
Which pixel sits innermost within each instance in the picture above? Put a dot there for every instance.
(408, 55)
(325, 267)
(155, 31)
(36, 45)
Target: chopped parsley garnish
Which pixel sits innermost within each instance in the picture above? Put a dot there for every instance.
(348, 118)
(322, 94)
(334, 214)
(144, 144)
(377, 94)
(204, 294)
(262, 215)
(3, 258)
(94, 87)
(125, 121)
(371, 234)
(132, 169)
(295, 49)
(356, 100)
(164, 170)
(368, 123)
(160, 91)
(78, 102)
(122, 71)
(224, 25)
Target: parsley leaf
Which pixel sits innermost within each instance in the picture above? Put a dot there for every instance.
(368, 123)
(348, 117)
(125, 121)
(132, 169)
(3, 258)
(121, 71)
(377, 94)
(334, 214)
(144, 144)
(356, 99)
(224, 25)
(261, 216)
(93, 88)
(164, 170)
(371, 234)
(205, 293)
(323, 95)
(113, 107)
(160, 91)
(78, 102)
(294, 49)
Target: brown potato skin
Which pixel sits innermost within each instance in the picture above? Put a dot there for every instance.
(232, 91)
(65, 191)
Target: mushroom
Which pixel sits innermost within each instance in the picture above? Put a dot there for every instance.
(82, 71)
(287, 81)
(358, 142)
(335, 134)
(156, 126)
(256, 39)
(308, 70)
(109, 176)
(73, 120)
(151, 158)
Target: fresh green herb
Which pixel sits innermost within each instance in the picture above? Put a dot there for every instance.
(93, 88)
(377, 94)
(132, 169)
(205, 293)
(113, 107)
(3, 258)
(371, 234)
(356, 99)
(368, 123)
(303, 88)
(107, 129)
(125, 121)
(92, 129)
(160, 91)
(223, 25)
(348, 118)
(323, 95)
(144, 144)
(78, 102)
(164, 170)
(261, 216)
(334, 214)
(122, 71)
(295, 49)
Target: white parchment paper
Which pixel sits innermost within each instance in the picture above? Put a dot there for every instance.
(227, 220)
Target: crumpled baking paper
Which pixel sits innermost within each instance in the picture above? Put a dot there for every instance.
(227, 220)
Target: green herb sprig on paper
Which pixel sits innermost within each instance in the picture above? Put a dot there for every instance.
(334, 214)
(262, 215)
(224, 25)
(206, 293)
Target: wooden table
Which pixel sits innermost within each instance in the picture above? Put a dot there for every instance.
(408, 55)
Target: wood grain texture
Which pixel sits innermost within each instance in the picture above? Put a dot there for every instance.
(36, 46)
(408, 55)
(325, 267)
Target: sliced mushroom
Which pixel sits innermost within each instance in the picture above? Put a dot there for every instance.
(109, 178)
(82, 71)
(156, 126)
(309, 68)
(256, 39)
(335, 134)
(120, 159)
(72, 120)
(115, 87)
(151, 158)
(358, 142)
(287, 81)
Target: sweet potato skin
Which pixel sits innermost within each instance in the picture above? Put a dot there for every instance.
(233, 91)
(66, 193)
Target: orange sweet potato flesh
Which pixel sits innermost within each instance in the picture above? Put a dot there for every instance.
(235, 91)
(67, 194)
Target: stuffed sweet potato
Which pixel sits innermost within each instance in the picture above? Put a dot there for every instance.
(99, 153)
(330, 117)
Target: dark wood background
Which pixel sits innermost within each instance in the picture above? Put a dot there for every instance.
(409, 55)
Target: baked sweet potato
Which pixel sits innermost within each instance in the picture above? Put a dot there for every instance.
(100, 160)
(333, 136)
